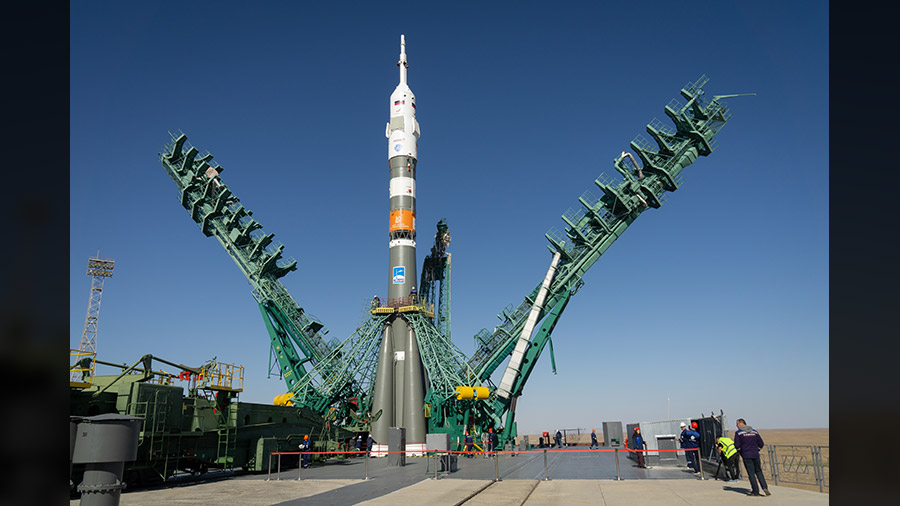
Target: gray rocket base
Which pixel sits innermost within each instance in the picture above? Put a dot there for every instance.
(400, 379)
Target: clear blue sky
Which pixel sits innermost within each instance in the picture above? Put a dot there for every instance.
(718, 300)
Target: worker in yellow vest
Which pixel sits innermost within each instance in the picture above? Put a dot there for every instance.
(727, 455)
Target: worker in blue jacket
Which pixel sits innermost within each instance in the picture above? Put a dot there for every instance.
(305, 446)
(638, 444)
(748, 442)
(469, 442)
(690, 440)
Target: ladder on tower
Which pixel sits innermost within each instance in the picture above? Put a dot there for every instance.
(227, 438)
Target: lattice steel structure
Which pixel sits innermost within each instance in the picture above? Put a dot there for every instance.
(98, 269)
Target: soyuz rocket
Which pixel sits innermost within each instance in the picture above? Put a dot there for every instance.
(400, 377)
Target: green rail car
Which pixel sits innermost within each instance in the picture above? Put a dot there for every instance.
(191, 428)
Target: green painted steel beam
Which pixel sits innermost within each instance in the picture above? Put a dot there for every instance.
(219, 214)
(591, 229)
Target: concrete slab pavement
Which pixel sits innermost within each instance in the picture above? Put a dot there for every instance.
(429, 491)
(504, 493)
(408, 487)
(245, 493)
(664, 493)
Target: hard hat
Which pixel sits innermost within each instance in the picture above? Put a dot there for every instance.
(306, 437)
(694, 425)
(683, 424)
(491, 429)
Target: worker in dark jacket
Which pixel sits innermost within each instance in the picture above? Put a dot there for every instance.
(492, 442)
(370, 442)
(558, 439)
(690, 441)
(748, 442)
(638, 444)
(469, 442)
(305, 446)
(594, 443)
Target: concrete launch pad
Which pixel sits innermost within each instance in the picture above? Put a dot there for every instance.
(575, 478)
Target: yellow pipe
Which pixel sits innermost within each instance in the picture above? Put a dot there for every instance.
(469, 393)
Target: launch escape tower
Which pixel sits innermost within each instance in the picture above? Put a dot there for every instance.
(423, 381)
(98, 269)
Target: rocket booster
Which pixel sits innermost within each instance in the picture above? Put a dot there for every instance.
(400, 378)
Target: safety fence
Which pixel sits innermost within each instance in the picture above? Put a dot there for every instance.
(565, 462)
(797, 464)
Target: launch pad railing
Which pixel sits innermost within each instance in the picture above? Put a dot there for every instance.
(436, 455)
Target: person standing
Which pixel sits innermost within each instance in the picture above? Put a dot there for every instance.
(484, 443)
(594, 443)
(728, 455)
(748, 442)
(690, 441)
(358, 443)
(469, 440)
(558, 439)
(305, 446)
(370, 442)
(638, 444)
(492, 441)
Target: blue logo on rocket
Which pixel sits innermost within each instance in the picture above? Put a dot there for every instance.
(399, 275)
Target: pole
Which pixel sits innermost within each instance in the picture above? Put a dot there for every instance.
(820, 469)
(497, 466)
(617, 464)
(700, 463)
(279, 465)
(269, 475)
(773, 464)
(546, 474)
(435, 464)
(367, 463)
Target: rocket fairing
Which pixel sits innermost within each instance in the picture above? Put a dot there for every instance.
(400, 378)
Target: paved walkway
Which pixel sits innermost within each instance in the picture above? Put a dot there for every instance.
(475, 493)
(602, 492)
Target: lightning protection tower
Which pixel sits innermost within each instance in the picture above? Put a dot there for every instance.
(98, 269)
